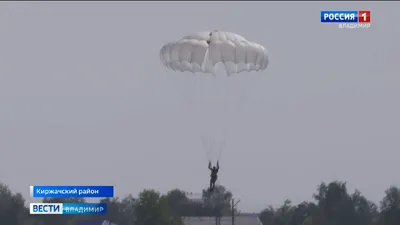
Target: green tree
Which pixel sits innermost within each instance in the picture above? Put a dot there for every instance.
(336, 204)
(177, 200)
(152, 208)
(301, 212)
(59, 219)
(366, 211)
(127, 211)
(12, 207)
(284, 214)
(267, 216)
(119, 211)
(180, 204)
(390, 207)
(333, 206)
(217, 202)
(113, 209)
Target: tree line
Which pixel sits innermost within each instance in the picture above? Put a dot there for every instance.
(332, 205)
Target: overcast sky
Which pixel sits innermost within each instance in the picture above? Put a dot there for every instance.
(85, 100)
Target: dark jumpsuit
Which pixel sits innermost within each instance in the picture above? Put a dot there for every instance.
(214, 177)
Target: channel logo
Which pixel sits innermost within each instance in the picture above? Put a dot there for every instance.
(347, 18)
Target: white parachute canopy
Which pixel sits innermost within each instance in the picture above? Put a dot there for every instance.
(202, 51)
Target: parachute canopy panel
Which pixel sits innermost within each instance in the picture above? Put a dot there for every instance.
(203, 51)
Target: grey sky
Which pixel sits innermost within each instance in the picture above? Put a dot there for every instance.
(85, 100)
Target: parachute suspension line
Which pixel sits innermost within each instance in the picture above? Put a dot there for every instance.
(207, 147)
(221, 149)
(211, 150)
(203, 64)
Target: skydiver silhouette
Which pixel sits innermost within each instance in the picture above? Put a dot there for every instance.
(214, 177)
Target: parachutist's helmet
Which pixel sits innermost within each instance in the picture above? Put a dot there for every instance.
(214, 168)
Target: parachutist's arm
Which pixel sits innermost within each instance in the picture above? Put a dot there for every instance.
(209, 165)
(217, 165)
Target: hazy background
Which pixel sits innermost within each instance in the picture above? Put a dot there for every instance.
(85, 100)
